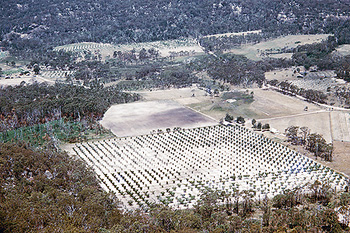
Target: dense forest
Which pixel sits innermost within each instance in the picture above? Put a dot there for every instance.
(41, 114)
(31, 24)
(38, 103)
(48, 191)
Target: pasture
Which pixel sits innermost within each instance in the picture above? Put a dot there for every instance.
(319, 80)
(274, 46)
(264, 104)
(143, 117)
(343, 50)
(173, 168)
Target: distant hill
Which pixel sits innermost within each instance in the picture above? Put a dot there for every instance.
(34, 23)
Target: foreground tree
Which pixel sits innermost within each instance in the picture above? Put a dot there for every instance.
(292, 134)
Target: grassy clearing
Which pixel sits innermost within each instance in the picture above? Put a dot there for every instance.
(275, 46)
(234, 103)
(344, 50)
(238, 97)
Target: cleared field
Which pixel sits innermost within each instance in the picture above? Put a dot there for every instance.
(340, 125)
(28, 80)
(343, 50)
(166, 48)
(274, 46)
(283, 74)
(333, 125)
(266, 104)
(341, 157)
(234, 34)
(317, 122)
(143, 117)
(173, 168)
(269, 104)
(280, 111)
(173, 94)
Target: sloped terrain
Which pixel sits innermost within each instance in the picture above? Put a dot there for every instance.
(173, 168)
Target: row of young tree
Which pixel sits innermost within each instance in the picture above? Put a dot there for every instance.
(313, 142)
(49, 191)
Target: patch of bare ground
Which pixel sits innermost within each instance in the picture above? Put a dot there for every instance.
(341, 157)
(143, 117)
(269, 104)
(285, 74)
(27, 79)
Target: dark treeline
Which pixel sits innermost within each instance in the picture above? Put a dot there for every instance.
(313, 142)
(343, 71)
(290, 89)
(222, 43)
(28, 25)
(49, 191)
(39, 103)
(317, 54)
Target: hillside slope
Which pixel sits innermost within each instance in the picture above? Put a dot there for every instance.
(32, 23)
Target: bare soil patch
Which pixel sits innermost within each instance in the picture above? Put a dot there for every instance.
(27, 79)
(269, 104)
(143, 117)
(341, 157)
